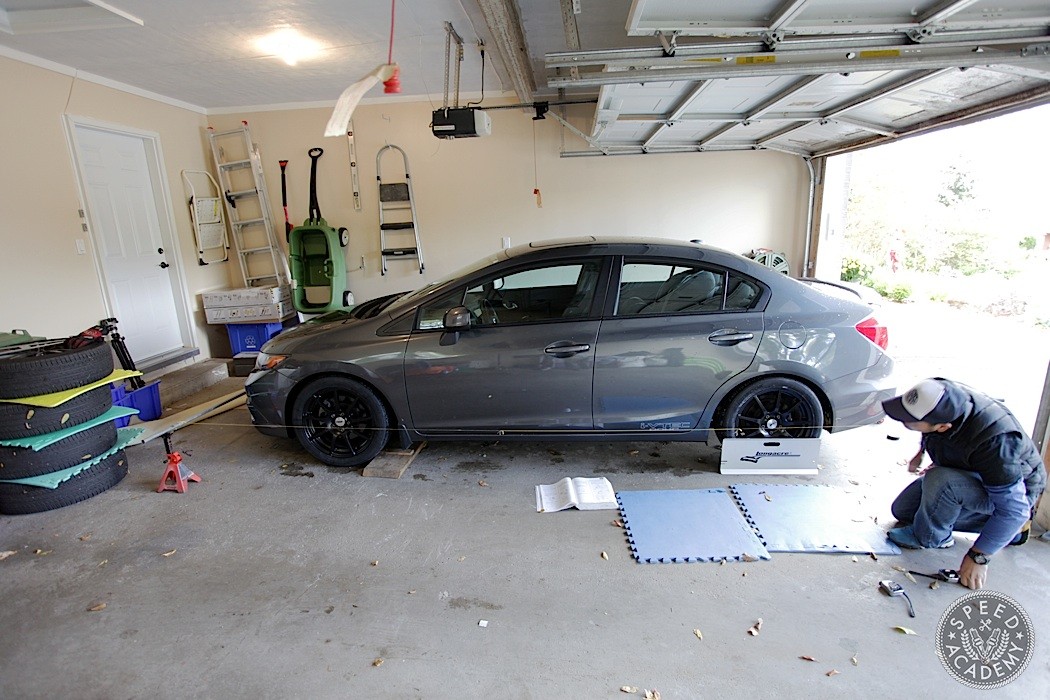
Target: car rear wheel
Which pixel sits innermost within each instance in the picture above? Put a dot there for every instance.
(340, 421)
(774, 408)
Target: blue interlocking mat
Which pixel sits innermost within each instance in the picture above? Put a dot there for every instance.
(810, 518)
(687, 526)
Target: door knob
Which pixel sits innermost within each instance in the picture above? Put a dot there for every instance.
(164, 265)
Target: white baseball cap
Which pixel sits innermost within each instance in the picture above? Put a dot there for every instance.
(930, 401)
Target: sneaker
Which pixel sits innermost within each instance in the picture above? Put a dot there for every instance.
(1022, 536)
(905, 537)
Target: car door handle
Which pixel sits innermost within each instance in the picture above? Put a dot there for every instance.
(729, 336)
(564, 348)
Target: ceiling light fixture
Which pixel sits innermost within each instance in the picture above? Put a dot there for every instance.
(288, 45)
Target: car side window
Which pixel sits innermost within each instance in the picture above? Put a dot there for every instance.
(541, 293)
(666, 288)
(741, 293)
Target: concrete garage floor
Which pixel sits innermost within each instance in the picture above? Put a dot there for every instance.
(277, 577)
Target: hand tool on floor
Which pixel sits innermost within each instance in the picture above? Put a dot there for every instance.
(893, 590)
(947, 575)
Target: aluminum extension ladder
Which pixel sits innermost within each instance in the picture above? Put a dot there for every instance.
(237, 161)
(397, 215)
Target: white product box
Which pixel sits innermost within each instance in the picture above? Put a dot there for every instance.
(770, 456)
(260, 313)
(247, 296)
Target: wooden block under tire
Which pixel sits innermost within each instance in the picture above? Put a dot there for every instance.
(391, 464)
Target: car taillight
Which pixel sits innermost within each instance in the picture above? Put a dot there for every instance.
(874, 331)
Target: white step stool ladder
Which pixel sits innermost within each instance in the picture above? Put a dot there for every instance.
(397, 216)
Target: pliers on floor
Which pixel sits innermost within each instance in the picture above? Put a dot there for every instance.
(946, 575)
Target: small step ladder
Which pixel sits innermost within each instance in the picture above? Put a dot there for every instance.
(397, 215)
(237, 161)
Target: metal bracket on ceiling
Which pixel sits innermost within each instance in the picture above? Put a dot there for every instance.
(921, 34)
(772, 39)
(670, 44)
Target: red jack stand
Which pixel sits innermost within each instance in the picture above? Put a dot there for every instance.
(175, 475)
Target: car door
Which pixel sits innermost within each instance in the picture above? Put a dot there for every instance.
(678, 331)
(527, 361)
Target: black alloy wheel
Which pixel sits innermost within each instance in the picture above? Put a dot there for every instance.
(774, 408)
(340, 421)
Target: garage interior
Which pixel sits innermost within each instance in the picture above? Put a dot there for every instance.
(332, 584)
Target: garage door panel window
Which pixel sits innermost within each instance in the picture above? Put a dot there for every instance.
(666, 288)
(532, 295)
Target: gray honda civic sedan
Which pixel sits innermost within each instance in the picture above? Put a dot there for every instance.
(585, 339)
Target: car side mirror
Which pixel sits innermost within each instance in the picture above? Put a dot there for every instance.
(456, 319)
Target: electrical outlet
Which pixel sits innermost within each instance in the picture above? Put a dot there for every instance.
(81, 248)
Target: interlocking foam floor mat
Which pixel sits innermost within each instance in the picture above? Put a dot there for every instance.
(687, 526)
(810, 518)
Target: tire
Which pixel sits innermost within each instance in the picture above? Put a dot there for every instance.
(340, 421)
(18, 499)
(774, 408)
(19, 420)
(22, 462)
(53, 368)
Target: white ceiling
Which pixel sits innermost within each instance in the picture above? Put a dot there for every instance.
(812, 77)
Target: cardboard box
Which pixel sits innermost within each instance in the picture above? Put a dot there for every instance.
(770, 456)
(257, 313)
(247, 296)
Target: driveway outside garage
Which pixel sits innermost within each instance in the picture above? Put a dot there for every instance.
(292, 580)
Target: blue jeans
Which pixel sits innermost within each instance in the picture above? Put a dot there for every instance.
(942, 500)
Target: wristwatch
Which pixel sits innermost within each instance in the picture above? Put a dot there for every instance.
(978, 557)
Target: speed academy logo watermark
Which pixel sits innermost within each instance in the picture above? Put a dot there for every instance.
(985, 639)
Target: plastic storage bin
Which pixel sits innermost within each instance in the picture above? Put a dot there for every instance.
(120, 398)
(249, 337)
(146, 400)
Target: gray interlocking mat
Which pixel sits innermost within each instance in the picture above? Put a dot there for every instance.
(810, 518)
(687, 526)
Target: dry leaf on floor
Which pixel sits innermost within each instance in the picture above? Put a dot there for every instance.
(755, 628)
(934, 585)
(97, 608)
(605, 555)
(855, 560)
(873, 555)
(807, 658)
(85, 538)
(768, 497)
(853, 660)
(747, 557)
(461, 559)
(905, 630)
(832, 672)
(652, 695)
(42, 552)
(617, 523)
(375, 562)
(855, 483)
(102, 563)
(8, 553)
(483, 483)
(699, 634)
(628, 689)
(168, 554)
(411, 592)
(377, 662)
(633, 452)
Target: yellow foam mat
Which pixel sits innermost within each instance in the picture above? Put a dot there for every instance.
(58, 398)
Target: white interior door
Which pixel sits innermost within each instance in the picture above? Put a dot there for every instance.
(122, 207)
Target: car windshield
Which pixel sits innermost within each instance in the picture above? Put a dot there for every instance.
(413, 297)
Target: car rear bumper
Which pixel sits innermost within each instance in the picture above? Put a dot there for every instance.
(857, 398)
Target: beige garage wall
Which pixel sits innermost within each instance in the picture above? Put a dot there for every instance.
(47, 287)
(471, 193)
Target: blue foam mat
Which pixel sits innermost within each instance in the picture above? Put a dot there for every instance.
(687, 526)
(810, 518)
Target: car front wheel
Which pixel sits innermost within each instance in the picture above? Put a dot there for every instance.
(340, 421)
(774, 408)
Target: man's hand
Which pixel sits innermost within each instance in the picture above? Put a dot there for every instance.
(915, 463)
(971, 574)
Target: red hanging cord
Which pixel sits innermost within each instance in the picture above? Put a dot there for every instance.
(393, 83)
(390, 53)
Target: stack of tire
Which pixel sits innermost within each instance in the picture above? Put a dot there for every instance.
(43, 368)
